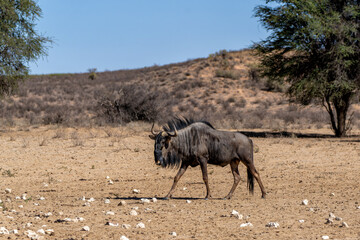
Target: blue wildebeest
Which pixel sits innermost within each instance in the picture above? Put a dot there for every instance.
(183, 143)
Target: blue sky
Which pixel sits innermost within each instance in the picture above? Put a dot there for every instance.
(127, 34)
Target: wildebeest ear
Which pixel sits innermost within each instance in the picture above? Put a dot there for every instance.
(152, 137)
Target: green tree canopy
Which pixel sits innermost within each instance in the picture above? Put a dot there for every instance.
(314, 45)
(19, 41)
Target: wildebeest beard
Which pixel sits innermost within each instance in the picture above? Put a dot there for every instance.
(171, 160)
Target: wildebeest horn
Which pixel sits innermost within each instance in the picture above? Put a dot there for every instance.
(172, 134)
(152, 129)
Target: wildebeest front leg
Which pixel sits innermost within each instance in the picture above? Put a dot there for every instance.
(235, 171)
(203, 165)
(176, 179)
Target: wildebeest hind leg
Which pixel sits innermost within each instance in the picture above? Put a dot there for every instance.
(235, 171)
(257, 177)
(176, 179)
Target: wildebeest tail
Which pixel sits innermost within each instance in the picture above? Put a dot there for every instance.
(250, 180)
(250, 176)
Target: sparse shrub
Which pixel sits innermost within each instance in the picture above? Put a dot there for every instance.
(241, 103)
(232, 74)
(132, 103)
(92, 73)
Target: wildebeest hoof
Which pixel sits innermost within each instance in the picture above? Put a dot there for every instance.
(166, 198)
(263, 196)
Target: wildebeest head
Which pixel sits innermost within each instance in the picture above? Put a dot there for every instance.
(162, 144)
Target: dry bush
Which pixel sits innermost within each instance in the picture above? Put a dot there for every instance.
(134, 103)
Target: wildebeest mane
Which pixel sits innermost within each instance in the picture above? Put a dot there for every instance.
(181, 123)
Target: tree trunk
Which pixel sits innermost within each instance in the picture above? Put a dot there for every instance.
(341, 105)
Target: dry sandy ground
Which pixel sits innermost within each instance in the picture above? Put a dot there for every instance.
(64, 165)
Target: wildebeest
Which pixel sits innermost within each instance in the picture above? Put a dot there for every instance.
(183, 143)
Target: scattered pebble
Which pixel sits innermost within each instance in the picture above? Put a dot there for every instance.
(136, 191)
(325, 237)
(272, 224)
(344, 224)
(332, 194)
(21, 206)
(188, 201)
(331, 215)
(42, 198)
(107, 177)
(338, 218)
(126, 226)
(154, 200)
(173, 234)
(86, 228)
(123, 238)
(41, 231)
(122, 203)
(140, 225)
(111, 182)
(91, 200)
(107, 201)
(133, 213)
(236, 214)
(8, 190)
(31, 234)
(112, 224)
(135, 208)
(144, 200)
(184, 189)
(49, 231)
(110, 213)
(24, 196)
(305, 202)
(48, 214)
(301, 221)
(15, 231)
(248, 224)
(4, 231)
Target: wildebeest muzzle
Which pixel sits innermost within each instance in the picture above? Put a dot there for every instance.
(158, 157)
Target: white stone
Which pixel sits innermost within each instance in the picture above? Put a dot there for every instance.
(15, 231)
(83, 198)
(4, 231)
(133, 213)
(148, 209)
(136, 191)
(24, 196)
(272, 224)
(344, 224)
(80, 219)
(135, 208)
(49, 231)
(123, 238)
(42, 198)
(248, 224)
(301, 221)
(17, 198)
(144, 200)
(332, 194)
(112, 224)
(305, 202)
(107, 177)
(154, 200)
(331, 215)
(28, 225)
(140, 225)
(31, 234)
(36, 204)
(8, 190)
(86, 228)
(188, 201)
(358, 207)
(111, 182)
(235, 213)
(122, 203)
(87, 204)
(325, 237)
(329, 221)
(48, 214)
(184, 189)
(173, 234)
(110, 213)
(41, 231)
(91, 200)
(46, 185)
(338, 218)
(126, 226)
(107, 201)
